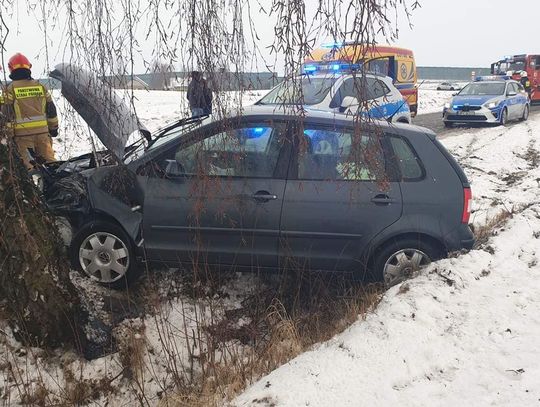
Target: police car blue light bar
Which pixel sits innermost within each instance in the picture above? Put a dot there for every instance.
(330, 67)
(492, 78)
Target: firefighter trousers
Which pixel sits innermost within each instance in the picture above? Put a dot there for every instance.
(40, 143)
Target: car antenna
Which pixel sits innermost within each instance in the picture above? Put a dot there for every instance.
(389, 118)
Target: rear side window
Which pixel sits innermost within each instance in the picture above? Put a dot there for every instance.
(409, 164)
(340, 155)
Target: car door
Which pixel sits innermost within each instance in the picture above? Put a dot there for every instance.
(339, 195)
(216, 198)
(512, 95)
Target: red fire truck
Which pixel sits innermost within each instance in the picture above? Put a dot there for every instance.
(513, 65)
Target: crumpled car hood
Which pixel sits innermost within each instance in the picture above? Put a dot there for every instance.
(100, 106)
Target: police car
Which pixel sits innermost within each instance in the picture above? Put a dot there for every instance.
(338, 88)
(489, 99)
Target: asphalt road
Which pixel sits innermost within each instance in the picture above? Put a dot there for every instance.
(434, 121)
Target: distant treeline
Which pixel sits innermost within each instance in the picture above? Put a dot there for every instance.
(230, 81)
(449, 73)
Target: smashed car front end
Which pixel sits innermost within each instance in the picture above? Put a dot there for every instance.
(106, 193)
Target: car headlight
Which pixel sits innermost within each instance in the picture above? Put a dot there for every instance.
(492, 105)
(447, 105)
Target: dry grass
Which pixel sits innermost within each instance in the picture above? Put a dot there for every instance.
(289, 325)
(483, 233)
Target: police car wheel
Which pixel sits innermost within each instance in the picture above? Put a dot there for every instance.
(525, 113)
(504, 117)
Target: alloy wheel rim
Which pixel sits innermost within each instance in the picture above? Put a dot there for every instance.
(104, 257)
(403, 264)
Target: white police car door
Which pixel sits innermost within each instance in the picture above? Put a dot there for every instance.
(513, 102)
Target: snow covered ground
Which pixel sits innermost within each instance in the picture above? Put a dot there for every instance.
(463, 332)
(431, 100)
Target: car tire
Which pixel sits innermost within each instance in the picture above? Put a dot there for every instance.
(448, 124)
(400, 259)
(103, 252)
(525, 113)
(504, 117)
(452, 89)
(438, 88)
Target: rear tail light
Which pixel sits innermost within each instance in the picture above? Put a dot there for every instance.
(467, 203)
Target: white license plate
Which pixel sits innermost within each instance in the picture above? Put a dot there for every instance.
(466, 113)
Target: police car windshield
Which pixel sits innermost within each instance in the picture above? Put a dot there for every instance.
(314, 90)
(483, 88)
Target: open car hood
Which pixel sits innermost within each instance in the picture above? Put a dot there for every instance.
(100, 106)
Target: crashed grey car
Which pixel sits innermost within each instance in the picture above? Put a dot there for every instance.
(263, 190)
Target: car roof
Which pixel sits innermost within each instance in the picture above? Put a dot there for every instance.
(293, 113)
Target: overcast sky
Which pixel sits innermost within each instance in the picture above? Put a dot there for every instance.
(468, 33)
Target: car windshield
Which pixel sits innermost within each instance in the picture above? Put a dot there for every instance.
(161, 138)
(483, 88)
(314, 90)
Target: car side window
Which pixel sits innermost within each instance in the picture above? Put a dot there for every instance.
(360, 88)
(512, 88)
(326, 154)
(377, 88)
(250, 151)
(520, 87)
(409, 164)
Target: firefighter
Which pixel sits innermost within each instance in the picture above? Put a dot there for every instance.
(525, 82)
(30, 111)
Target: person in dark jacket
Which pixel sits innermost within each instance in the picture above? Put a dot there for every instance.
(199, 95)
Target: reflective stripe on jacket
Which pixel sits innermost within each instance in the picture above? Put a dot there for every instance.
(29, 107)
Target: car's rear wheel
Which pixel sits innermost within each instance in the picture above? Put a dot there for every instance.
(401, 259)
(104, 252)
(525, 113)
(438, 88)
(504, 117)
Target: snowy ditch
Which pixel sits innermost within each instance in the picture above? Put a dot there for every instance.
(463, 331)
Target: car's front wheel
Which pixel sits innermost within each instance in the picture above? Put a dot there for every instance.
(525, 113)
(104, 252)
(400, 259)
(504, 117)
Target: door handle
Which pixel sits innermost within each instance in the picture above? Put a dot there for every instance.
(263, 196)
(382, 199)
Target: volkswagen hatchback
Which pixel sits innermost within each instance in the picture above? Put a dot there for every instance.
(267, 190)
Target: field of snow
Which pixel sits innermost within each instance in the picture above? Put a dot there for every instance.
(154, 108)
(463, 332)
(431, 100)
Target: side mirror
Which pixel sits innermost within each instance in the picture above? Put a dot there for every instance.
(174, 169)
(349, 103)
(511, 93)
